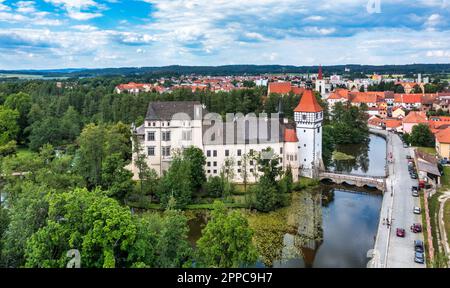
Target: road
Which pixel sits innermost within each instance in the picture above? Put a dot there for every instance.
(398, 204)
(401, 250)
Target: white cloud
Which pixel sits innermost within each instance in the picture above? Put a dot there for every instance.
(26, 7)
(315, 18)
(76, 9)
(84, 27)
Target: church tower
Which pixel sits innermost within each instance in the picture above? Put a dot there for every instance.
(309, 118)
(321, 84)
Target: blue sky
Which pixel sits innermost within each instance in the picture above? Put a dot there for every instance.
(45, 34)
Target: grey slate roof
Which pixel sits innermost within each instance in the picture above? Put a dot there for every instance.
(164, 111)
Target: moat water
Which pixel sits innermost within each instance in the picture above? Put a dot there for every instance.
(330, 226)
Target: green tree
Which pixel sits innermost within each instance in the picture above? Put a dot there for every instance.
(28, 213)
(177, 183)
(116, 179)
(21, 102)
(96, 225)
(226, 240)
(422, 136)
(267, 190)
(197, 161)
(9, 130)
(173, 246)
(91, 154)
(214, 187)
(70, 124)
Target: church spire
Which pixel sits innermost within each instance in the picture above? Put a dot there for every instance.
(320, 73)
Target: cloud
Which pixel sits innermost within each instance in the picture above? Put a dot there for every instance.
(79, 9)
(216, 32)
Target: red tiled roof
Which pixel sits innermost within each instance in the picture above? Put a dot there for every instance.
(408, 98)
(339, 94)
(297, 90)
(280, 87)
(290, 135)
(362, 97)
(392, 123)
(284, 88)
(308, 103)
(416, 117)
(443, 136)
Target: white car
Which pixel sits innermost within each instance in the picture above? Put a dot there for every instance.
(417, 210)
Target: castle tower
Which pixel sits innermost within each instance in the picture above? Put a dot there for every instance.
(309, 117)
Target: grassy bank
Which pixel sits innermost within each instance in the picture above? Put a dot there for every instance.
(445, 179)
(447, 220)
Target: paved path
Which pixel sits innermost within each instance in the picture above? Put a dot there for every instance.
(398, 204)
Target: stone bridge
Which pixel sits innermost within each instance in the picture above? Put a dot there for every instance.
(357, 180)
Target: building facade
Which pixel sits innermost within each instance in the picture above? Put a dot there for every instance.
(171, 127)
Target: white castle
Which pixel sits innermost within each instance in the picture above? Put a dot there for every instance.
(174, 126)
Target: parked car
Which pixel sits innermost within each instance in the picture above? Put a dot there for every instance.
(419, 258)
(418, 246)
(417, 210)
(401, 232)
(415, 193)
(413, 175)
(405, 145)
(408, 157)
(416, 228)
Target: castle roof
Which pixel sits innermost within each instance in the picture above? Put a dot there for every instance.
(308, 103)
(164, 111)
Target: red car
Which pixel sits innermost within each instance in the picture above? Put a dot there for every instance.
(401, 232)
(416, 228)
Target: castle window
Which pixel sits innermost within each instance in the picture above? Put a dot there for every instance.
(227, 153)
(187, 135)
(215, 171)
(239, 152)
(281, 150)
(208, 153)
(239, 163)
(305, 160)
(215, 153)
(215, 164)
(209, 164)
(318, 130)
(151, 151)
(166, 136)
(151, 136)
(166, 151)
(304, 116)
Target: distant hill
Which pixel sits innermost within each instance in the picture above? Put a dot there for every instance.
(238, 70)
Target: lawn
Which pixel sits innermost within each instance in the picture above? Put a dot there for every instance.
(447, 220)
(445, 179)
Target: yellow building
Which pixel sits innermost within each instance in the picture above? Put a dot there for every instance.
(443, 143)
(398, 112)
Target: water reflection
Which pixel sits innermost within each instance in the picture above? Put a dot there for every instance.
(369, 159)
(336, 229)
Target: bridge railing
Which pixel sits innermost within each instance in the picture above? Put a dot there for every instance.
(352, 174)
